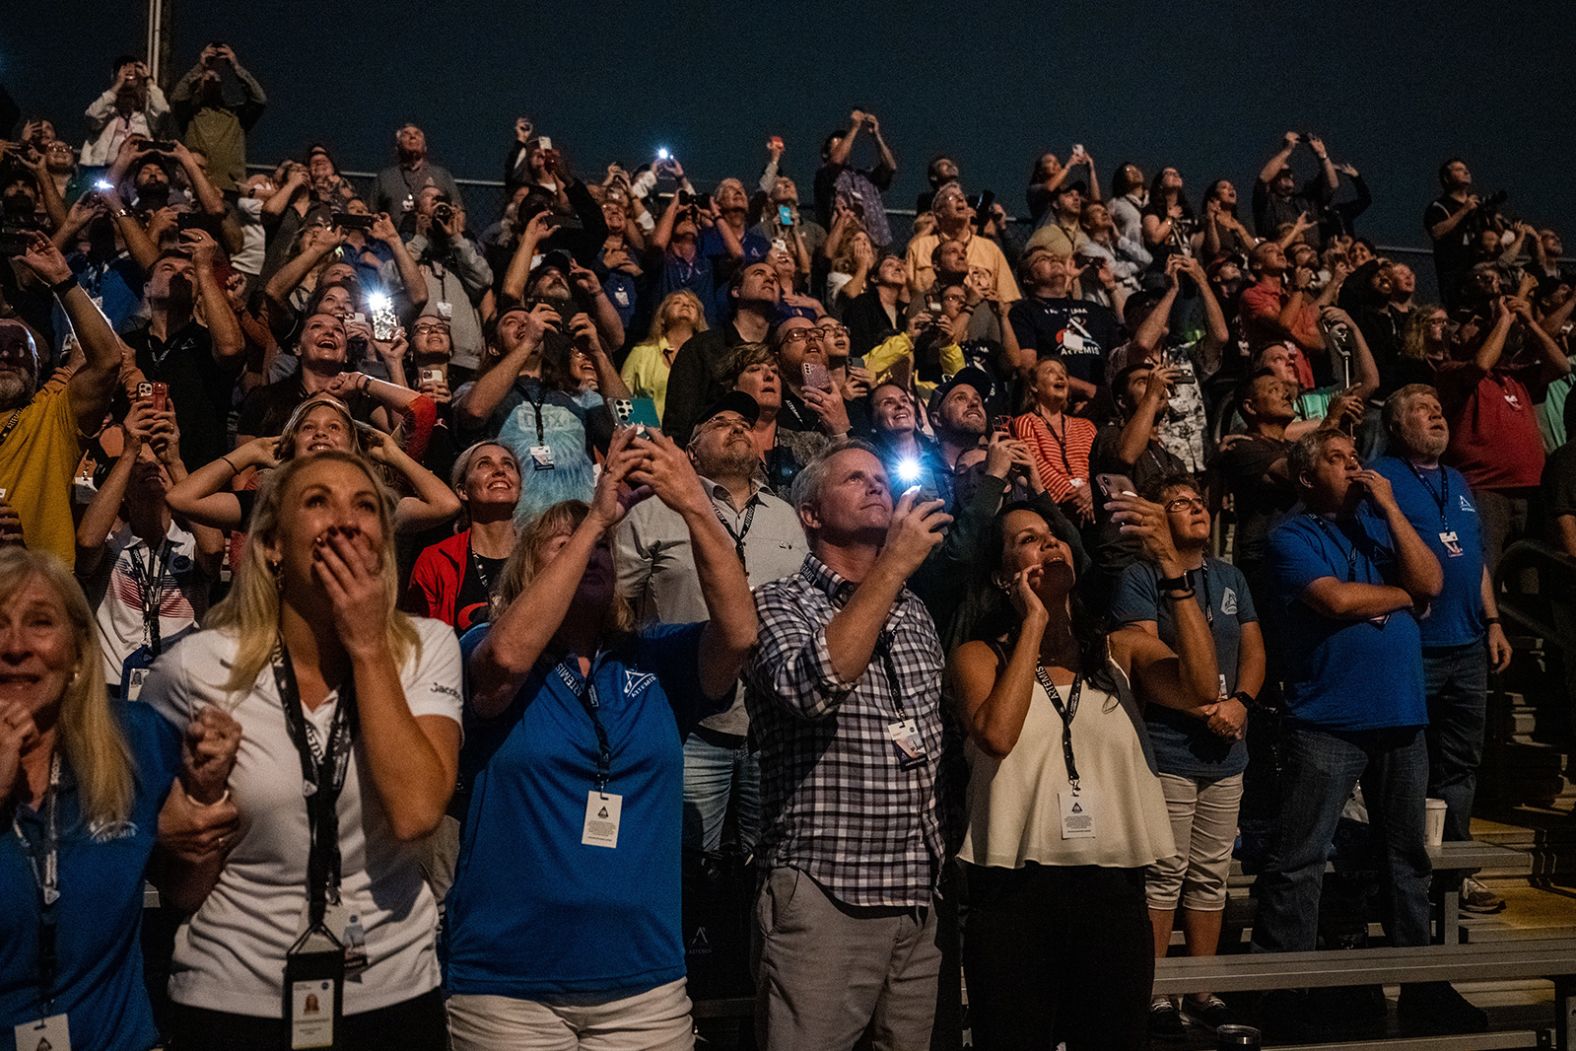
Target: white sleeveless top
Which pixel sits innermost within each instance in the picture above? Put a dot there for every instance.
(1014, 804)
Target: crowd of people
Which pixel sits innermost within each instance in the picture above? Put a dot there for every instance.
(419, 601)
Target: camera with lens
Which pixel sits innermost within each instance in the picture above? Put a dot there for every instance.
(443, 212)
(1492, 202)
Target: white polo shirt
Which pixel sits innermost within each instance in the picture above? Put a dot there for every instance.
(230, 956)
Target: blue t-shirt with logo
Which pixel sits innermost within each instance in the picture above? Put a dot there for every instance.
(535, 911)
(1438, 502)
(1344, 674)
(98, 981)
(1183, 744)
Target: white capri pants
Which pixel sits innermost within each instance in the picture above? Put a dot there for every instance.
(1204, 824)
(655, 1020)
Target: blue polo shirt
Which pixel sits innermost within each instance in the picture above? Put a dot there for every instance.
(1183, 744)
(1438, 500)
(98, 982)
(535, 912)
(1344, 674)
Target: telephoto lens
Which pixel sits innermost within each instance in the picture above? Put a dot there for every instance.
(1237, 1038)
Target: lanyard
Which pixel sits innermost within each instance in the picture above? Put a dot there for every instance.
(323, 771)
(585, 692)
(46, 874)
(536, 407)
(1068, 712)
(1442, 498)
(889, 665)
(744, 531)
(10, 425)
(150, 587)
(1209, 603)
(1351, 549)
(481, 570)
(1061, 442)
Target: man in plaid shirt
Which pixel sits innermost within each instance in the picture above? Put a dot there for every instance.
(844, 695)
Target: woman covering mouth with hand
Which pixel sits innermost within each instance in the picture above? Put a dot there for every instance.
(1064, 808)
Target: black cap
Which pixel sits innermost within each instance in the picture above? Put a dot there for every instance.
(968, 377)
(733, 401)
(557, 258)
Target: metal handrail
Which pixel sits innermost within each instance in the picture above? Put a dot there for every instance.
(908, 213)
(1557, 575)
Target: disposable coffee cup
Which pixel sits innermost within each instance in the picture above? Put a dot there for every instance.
(1237, 1038)
(1435, 825)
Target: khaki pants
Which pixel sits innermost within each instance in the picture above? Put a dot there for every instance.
(826, 971)
(655, 1020)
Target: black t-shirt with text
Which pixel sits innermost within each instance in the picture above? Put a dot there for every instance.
(1081, 333)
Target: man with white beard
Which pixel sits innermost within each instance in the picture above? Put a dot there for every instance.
(1462, 636)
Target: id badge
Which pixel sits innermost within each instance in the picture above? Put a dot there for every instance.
(542, 457)
(1077, 817)
(604, 810)
(133, 672)
(346, 926)
(905, 737)
(314, 990)
(1452, 543)
(45, 1034)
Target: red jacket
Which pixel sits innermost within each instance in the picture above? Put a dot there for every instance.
(435, 582)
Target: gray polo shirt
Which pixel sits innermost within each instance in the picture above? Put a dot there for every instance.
(656, 566)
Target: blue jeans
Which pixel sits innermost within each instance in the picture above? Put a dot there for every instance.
(1456, 681)
(718, 768)
(1320, 769)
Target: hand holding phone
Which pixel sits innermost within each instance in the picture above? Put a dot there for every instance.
(815, 375)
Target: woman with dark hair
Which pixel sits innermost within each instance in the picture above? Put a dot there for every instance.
(1048, 174)
(1168, 222)
(564, 914)
(1064, 808)
(1224, 233)
(1128, 198)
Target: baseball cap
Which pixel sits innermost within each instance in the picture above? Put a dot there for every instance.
(967, 377)
(733, 401)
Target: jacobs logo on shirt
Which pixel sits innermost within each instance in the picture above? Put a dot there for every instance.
(636, 681)
(1228, 602)
(109, 831)
(1466, 505)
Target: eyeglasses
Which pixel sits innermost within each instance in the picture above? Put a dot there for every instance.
(1185, 503)
(834, 330)
(427, 328)
(804, 335)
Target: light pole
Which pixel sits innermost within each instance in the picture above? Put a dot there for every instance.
(161, 20)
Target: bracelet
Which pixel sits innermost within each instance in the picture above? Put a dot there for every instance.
(1247, 699)
(226, 458)
(204, 806)
(1181, 596)
(1178, 583)
(64, 285)
(366, 381)
(1490, 620)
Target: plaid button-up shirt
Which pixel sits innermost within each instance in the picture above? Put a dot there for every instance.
(836, 801)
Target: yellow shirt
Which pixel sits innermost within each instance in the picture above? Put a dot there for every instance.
(885, 356)
(37, 462)
(982, 254)
(645, 372)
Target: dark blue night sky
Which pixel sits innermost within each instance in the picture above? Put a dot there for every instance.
(1209, 87)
